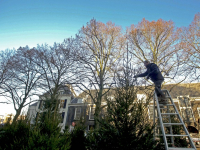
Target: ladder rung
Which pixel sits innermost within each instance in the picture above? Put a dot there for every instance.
(176, 148)
(165, 126)
(163, 117)
(175, 135)
(163, 108)
(169, 113)
(165, 105)
(172, 124)
(170, 135)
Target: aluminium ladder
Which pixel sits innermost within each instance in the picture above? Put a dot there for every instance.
(164, 115)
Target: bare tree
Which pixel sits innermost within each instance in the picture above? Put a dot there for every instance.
(4, 68)
(56, 64)
(22, 83)
(190, 42)
(158, 41)
(98, 46)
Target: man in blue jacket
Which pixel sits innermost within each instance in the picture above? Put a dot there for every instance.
(155, 75)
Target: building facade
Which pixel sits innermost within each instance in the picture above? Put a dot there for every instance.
(73, 110)
(64, 97)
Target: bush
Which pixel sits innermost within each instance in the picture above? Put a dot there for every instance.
(125, 126)
(78, 139)
(44, 135)
(15, 136)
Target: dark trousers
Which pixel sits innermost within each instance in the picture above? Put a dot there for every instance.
(158, 90)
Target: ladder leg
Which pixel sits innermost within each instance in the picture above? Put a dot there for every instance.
(170, 128)
(161, 122)
(154, 116)
(181, 123)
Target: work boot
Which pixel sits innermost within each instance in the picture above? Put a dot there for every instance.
(159, 98)
(163, 100)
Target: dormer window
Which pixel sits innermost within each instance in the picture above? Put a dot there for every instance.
(62, 103)
(80, 101)
(61, 92)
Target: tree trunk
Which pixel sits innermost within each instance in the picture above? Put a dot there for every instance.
(97, 115)
(18, 111)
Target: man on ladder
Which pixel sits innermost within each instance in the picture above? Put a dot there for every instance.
(168, 136)
(155, 75)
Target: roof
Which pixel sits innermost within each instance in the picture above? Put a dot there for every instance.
(64, 87)
(75, 100)
(34, 104)
(191, 89)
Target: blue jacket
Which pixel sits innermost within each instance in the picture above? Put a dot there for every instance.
(153, 72)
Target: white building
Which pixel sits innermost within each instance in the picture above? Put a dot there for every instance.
(32, 112)
(64, 96)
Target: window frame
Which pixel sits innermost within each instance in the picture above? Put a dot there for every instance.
(91, 107)
(62, 102)
(183, 109)
(198, 110)
(62, 117)
(75, 115)
(149, 112)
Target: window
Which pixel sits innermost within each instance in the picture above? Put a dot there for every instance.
(91, 115)
(62, 115)
(61, 92)
(77, 113)
(65, 103)
(198, 110)
(40, 105)
(187, 114)
(184, 101)
(62, 103)
(150, 111)
(79, 101)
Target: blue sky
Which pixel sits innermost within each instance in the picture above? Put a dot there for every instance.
(32, 22)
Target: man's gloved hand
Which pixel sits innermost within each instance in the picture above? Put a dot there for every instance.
(135, 76)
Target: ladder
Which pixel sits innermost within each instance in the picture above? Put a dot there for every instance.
(166, 117)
